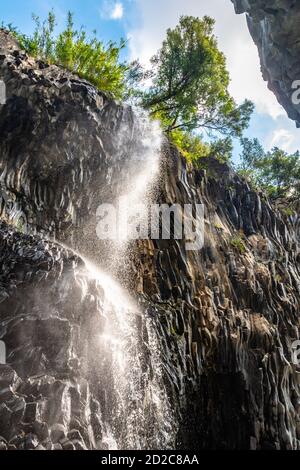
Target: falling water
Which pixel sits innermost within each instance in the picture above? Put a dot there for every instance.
(136, 413)
(132, 179)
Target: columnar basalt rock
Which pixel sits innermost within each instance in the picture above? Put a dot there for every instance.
(60, 132)
(229, 314)
(46, 398)
(226, 316)
(274, 26)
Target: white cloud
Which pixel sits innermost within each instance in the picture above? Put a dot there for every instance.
(112, 10)
(283, 138)
(233, 36)
(117, 12)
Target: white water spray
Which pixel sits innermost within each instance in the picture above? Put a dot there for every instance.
(135, 171)
(137, 414)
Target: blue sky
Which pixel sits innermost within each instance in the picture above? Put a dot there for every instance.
(93, 14)
(144, 22)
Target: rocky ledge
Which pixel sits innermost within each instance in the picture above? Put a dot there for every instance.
(59, 132)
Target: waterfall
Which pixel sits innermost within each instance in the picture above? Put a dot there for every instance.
(135, 410)
(131, 185)
(136, 413)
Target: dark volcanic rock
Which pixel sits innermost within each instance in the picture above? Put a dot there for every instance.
(226, 316)
(57, 132)
(274, 26)
(229, 314)
(44, 324)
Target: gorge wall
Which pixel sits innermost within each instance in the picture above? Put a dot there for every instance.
(274, 26)
(210, 332)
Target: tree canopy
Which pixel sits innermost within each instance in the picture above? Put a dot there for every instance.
(186, 87)
(190, 81)
(276, 171)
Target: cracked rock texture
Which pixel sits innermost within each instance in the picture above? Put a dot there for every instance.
(225, 316)
(37, 282)
(229, 314)
(274, 26)
(60, 132)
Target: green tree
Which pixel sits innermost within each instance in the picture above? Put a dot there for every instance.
(190, 82)
(221, 149)
(275, 171)
(252, 153)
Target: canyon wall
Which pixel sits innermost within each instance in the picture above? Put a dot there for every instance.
(230, 313)
(214, 327)
(274, 27)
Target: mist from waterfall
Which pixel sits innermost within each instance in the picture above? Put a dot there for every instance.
(131, 186)
(135, 409)
(135, 413)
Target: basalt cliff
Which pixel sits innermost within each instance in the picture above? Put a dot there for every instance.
(174, 348)
(274, 27)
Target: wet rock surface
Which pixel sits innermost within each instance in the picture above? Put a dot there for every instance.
(274, 26)
(60, 132)
(229, 314)
(46, 401)
(226, 315)
(60, 388)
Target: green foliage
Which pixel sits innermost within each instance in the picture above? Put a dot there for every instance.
(190, 145)
(194, 148)
(20, 226)
(89, 58)
(222, 149)
(175, 333)
(237, 242)
(190, 82)
(218, 226)
(276, 171)
(288, 211)
(252, 151)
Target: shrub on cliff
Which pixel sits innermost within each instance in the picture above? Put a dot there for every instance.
(87, 57)
(193, 147)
